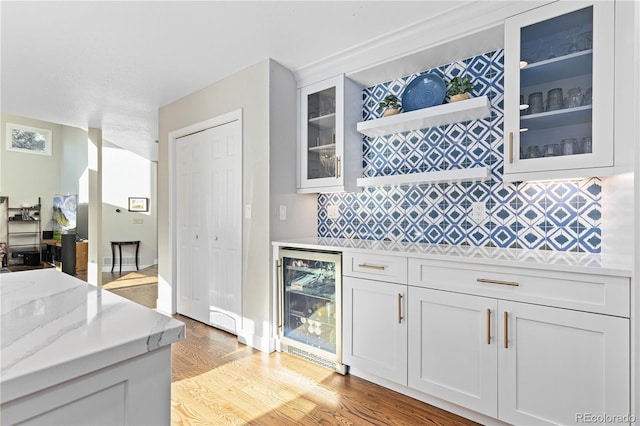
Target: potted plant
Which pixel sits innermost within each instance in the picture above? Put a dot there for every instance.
(391, 105)
(459, 89)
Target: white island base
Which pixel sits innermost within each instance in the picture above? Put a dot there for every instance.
(73, 354)
(132, 392)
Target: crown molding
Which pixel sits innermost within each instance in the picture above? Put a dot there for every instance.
(467, 29)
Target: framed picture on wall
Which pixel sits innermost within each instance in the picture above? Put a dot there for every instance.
(137, 204)
(31, 140)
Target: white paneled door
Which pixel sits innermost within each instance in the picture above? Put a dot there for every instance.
(209, 225)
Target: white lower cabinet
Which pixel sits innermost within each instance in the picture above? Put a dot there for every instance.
(518, 362)
(375, 328)
(559, 365)
(452, 348)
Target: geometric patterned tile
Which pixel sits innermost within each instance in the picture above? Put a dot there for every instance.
(561, 216)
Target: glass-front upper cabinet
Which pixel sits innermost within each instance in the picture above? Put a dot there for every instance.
(559, 86)
(328, 140)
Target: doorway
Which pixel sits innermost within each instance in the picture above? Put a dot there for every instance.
(208, 220)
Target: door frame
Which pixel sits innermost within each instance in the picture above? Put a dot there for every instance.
(216, 121)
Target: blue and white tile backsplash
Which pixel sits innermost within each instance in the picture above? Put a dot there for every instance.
(562, 216)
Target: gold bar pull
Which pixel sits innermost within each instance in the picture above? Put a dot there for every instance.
(400, 318)
(510, 147)
(376, 267)
(488, 281)
(488, 326)
(506, 330)
(337, 167)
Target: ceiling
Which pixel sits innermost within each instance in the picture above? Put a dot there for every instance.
(111, 65)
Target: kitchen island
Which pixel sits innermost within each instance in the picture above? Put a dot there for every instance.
(72, 353)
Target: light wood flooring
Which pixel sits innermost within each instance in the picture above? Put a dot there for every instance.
(218, 381)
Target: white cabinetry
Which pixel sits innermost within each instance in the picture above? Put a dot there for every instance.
(559, 91)
(557, 364)
(375, 330)
(452, 348)
(374, 309)
(543, 364)
(329, 147)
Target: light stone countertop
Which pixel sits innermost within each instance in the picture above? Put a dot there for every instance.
(55, 327)
(536, 259)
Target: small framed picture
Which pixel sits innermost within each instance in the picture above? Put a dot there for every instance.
(137, 204)
(31, 140)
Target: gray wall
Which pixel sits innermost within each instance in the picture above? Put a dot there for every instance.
(266, 124)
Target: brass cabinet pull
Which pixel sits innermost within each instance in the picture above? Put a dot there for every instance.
(488, 281)
(506, 330)
(400, 318)
(510, 147)
(488, 326)
(337, 167)
(376, 267)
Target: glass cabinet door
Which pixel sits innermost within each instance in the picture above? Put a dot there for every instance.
(321, 134)
(559, 88)
(309, 307)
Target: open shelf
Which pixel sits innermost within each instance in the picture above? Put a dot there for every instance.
(445, 176)
(470, 109)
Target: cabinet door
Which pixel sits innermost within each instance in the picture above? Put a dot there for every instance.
(321, 131)
(558, 364)
(375, 328)
(453, 348)
(558, 113)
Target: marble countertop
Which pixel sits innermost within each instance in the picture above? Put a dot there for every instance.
(614, 265)
(55, 327)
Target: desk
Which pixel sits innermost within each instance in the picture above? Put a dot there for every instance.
(120, 244)
(52, 253)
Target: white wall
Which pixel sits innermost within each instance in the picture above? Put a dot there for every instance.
(249, 90)
(126, 174)
(25, 177)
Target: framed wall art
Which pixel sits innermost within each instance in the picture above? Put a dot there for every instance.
(27, 139)
(137, 204)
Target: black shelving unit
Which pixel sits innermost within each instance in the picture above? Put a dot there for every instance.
(24, 235)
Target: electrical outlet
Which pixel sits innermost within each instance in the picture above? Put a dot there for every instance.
(247, 211)
(138, 221)
(283, 212)
(478, 211)
(333, 212)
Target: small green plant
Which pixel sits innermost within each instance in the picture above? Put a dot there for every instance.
(459, 85)
(389, 102)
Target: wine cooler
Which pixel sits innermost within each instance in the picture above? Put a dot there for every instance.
(310, 309)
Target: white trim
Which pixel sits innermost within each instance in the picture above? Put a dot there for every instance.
(263, 344)
(411, 49)
(219, 120)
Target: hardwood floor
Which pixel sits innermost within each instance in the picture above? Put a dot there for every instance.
(218, 381)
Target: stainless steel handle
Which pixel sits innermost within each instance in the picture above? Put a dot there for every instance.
(376, 267)
(337, 167)
(506, 330)
(279, 293)
(510, 147)
(488, 326)
(488, 281)
(400, 317)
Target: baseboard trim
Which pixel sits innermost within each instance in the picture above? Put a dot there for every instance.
(263, 344)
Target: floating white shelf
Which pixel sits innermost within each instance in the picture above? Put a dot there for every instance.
(457, 175)
(470, 109)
